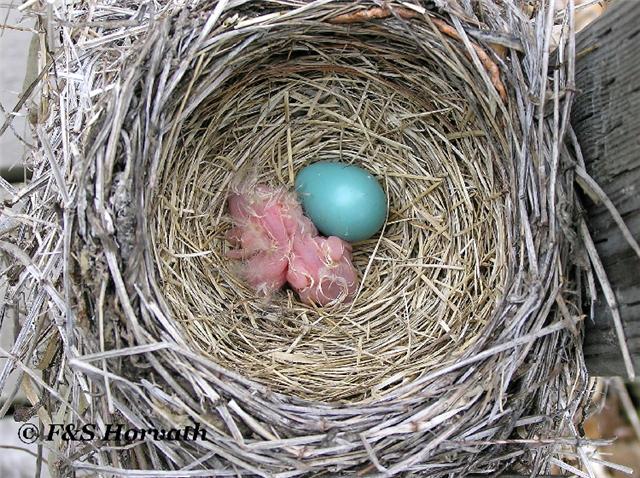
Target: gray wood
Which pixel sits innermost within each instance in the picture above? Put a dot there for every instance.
(606, 117)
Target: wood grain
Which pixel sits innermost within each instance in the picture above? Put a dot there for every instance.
(606, 118)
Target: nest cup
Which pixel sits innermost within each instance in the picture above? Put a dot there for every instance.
(462, 334)
(404, 107)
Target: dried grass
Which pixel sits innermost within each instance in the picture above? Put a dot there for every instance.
(461, 353)
(430, 281)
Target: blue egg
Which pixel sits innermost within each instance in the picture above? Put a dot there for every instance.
(342, 200)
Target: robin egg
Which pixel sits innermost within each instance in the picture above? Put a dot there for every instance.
(342, 200)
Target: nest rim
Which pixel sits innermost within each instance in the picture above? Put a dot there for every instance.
(437, 408)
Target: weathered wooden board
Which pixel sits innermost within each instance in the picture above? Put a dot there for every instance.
(606, 117)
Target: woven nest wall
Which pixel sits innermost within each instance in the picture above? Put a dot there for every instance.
(430, 281)
(461, 351)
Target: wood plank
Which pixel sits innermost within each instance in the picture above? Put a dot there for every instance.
(606, 117)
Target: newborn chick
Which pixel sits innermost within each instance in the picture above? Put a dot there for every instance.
(262, 222)
(320, 269)
(278, 244)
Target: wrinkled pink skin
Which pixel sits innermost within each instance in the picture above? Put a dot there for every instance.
(278, 244)
(262, 235)
(320, 269)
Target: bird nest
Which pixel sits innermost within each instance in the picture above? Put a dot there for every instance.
(429, 283)
(460, 353)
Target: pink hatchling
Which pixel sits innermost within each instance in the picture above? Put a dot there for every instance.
(320, 269)
(263, 237)
(277, 243)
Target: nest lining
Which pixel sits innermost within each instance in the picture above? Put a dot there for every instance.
(159, 332)
(365, 96)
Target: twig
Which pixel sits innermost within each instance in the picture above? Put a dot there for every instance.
(378, 13)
